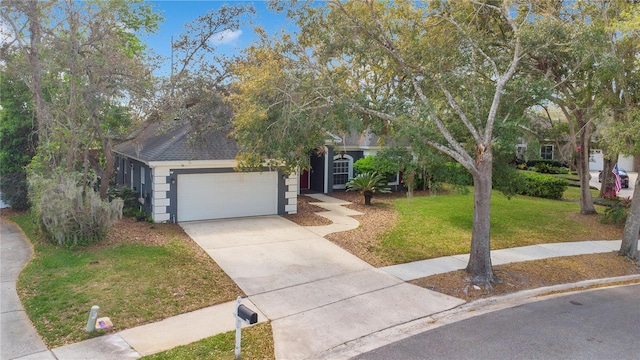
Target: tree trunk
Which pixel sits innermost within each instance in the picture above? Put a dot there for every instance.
(607, 187)
(367, 197)
(479, 265)
(409, 182)
(33, 56)
(629, 246)
(586, 200)
(109, 165)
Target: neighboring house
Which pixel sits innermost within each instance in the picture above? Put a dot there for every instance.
(550, 151)
(178, 182)
(332, 164)
(560, 148)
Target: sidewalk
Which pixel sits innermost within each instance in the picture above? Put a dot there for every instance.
(318, 296)
(18, 337)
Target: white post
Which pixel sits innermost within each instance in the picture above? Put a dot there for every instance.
(238, 331)
(93, 316)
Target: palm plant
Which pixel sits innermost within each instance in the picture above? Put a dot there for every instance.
(368, 184)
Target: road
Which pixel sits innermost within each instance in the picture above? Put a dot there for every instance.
(597, 324)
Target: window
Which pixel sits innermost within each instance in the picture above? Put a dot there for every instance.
(393, 179)
(142, 176)
(546, 152)
(342, 170)
(521, 151)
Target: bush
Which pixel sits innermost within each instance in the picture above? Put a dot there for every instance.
(69, 212)
(550, 163)
(368, 184)
(543, 186)
(546, 168)
(378, 164)
(131, 205)
(364, 165)
(617, 212)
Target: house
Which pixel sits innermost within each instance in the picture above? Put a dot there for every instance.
(542, 142)
(179, 182)
(331, 165)
(555, 151)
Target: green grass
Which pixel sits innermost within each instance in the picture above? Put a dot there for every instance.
(132, 283)
(256, 344)
(435, 226)
(573, 193)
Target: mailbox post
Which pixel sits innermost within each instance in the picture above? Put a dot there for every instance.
(93, 317)
(246, 315)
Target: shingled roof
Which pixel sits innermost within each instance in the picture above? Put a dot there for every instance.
(154, 143)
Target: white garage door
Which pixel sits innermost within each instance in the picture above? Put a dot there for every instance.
(227, 195)
(596, 161)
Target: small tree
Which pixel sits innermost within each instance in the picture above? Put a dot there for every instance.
(368, 184)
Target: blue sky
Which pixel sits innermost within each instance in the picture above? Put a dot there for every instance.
(177, 13)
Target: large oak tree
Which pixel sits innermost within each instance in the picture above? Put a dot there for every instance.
(443, 73)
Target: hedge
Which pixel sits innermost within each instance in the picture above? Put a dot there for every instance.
(543, 186)
(550, 163)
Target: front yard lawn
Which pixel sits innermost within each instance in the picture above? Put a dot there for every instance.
(433, 226)
(140, 273)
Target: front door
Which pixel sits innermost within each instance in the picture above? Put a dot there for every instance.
(304, 180)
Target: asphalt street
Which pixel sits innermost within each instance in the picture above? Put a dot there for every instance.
(596, 324)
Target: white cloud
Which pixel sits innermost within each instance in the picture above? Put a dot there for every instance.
(226, 37)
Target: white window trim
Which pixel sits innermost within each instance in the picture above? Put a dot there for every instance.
(397, 182)
(349, 175)
(553, 150)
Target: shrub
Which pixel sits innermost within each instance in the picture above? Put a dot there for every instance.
(617, 212)
(368, 184)
(131, 205)
(551, 163)
(69, 212)
(364, 165)
(378, 164)
(543, 186)
(548, 168)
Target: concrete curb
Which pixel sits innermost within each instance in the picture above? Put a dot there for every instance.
(463, 312)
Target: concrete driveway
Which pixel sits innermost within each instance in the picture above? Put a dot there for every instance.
(317, 295)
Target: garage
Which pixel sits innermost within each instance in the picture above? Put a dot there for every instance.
(226, 195)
